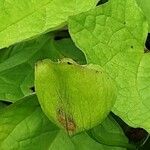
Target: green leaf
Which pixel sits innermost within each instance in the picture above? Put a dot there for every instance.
(113, 36)
(143, 88)
(17, 63)
(111, 134)
(21, 20)
(62, 91)
(2, 105)
(23, 126)
(17, 67)
(79, 142)
(145, 6)
(68, 49)
(84, 142)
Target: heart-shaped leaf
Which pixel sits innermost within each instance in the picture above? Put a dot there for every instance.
(109, 36)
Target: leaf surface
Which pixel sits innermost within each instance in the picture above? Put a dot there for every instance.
(109, 36)
(62, 88)
(17, 63)
(145, 6)
(23, 126)
(110, 133)
(21, 20)
(17, 67)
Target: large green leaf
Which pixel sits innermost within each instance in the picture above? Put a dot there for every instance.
(23, 126)
(145, 6)
(110, 133)
(84, 142)
(17, 63)
(20, 20)
(62, 91)
(17, 67)
(113, 36)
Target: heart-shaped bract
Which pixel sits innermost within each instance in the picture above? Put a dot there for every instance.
(75, 97)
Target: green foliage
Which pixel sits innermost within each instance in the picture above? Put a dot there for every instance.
(145, 6)
(23, 126)
(117, 44)
(58, 87)
(21, 20)
(17, 63)
(62, 91)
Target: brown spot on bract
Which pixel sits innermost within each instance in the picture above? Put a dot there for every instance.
(66, 121)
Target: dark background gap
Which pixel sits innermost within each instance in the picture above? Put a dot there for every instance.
(102, 2)
(147, 43)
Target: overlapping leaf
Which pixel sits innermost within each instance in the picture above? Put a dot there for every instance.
(23, 126)
(20, 20)
(113, 36)
(109, 133)
(67, 49)
(62, 88)
(17, 67)
(17, 63)
(145, 6)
